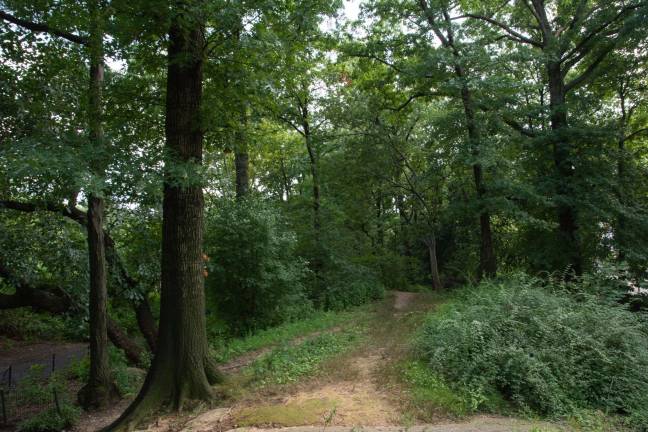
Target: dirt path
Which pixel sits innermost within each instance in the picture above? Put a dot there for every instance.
(349, 392)
(236, 364)
(404, 300)
(353, 393)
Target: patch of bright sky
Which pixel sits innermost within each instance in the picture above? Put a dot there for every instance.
(352, 9)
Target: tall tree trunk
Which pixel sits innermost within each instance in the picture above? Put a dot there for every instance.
(241, 158)
(487, 258)
(567, 239)
(317, 222)
(99, 390)
(314, 169)
(285, 182)
(404, 222)
(620, 229)
(146, 322)
(380, 229)
(620, 232)
(430, 242)
(181, 369)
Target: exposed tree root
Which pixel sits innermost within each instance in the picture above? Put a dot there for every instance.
(164, 390)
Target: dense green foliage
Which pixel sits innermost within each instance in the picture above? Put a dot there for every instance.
(256, 279)
(34, 390)
(544, 349)
(51, 420)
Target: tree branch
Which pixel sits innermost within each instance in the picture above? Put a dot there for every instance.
(635, 134)
(589, 71)
(516, 36)
(582, 44)
(43, 28)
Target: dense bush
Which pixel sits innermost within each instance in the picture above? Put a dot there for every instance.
(545, 349)
(346, 284)
(255, 277)
(51, 420)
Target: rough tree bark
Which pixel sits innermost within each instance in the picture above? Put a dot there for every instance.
(100, 390)
(181, 369)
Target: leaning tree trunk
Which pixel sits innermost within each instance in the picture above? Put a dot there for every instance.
(100, 390)
(567, 239)
(181, 369)
(430, 242)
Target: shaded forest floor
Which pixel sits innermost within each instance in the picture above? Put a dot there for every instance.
(360, 387)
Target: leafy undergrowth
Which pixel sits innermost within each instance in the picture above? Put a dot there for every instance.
(430, 396)
(554, 351)
(51, 420)
(319, 321)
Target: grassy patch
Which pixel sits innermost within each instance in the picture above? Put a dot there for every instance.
(319, 321)
(308, 412)
(288, 363)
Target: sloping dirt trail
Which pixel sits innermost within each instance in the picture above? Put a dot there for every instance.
(352, 393)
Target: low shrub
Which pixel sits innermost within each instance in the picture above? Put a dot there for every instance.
(52, 420)
(35, 390)
(24, 324)
(545, 349)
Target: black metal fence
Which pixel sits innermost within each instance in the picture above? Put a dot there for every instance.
(26, 390)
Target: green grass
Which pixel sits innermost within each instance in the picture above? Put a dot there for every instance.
(288, 363)
(289, 414)
(319, 321)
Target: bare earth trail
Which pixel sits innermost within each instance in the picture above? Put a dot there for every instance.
(353, 393)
